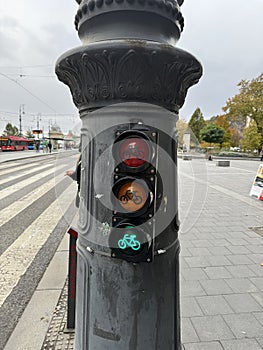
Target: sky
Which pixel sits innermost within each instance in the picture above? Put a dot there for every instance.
(224, 35)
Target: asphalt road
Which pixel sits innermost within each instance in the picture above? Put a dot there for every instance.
(36, 207)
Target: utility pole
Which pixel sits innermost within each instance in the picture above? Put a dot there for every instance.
(49, 127)
(128, 81)
(38, 120)
(21, 112)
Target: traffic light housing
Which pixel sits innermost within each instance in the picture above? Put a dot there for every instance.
(136, 193)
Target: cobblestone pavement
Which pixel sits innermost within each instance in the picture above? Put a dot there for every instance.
(57, 337)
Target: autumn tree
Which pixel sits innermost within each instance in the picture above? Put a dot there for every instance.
(248, 103)
(212, 133)
(181, 127)
(235, 137)
(197, 123)
(251, 137)
(10, 130)
(223, 123)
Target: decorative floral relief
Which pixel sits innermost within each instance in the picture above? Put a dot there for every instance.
(141, 75)
(86, 179)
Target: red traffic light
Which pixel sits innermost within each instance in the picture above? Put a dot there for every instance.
(134, 151)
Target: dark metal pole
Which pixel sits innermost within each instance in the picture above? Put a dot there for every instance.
(72, 269)
(128, 64)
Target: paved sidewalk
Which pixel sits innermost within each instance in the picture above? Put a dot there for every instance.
(221, 274)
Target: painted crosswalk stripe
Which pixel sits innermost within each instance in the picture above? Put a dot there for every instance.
(23, 173)
(18, 186)
(9, 165)
(16, 168)
(15, 208)
(16, 259)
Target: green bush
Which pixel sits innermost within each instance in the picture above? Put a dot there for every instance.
(235, 154)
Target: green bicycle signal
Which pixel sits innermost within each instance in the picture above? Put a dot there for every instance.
(129, 241)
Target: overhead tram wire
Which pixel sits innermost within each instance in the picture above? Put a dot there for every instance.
(31, 76)
(39, 99)
(45, 115)
(34, 66)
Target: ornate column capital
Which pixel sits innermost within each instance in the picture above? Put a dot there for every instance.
(101, 74)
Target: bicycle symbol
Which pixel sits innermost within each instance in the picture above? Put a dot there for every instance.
(129, 241)
(131, 196)
(133, 152)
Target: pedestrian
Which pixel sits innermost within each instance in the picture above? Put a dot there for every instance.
(49, 146)
(37, 146)
(45, 148)
(75, 175)
(261, 155)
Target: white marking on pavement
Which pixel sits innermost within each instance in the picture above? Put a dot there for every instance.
(23, 173)
(15, 168)
(7, 191)
(15, 208)
(16, 259)
(9, 165)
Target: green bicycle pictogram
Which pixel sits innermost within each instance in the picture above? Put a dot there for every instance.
(129, 241)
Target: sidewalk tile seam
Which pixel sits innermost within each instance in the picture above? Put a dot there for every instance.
(218, 317)
(190, 320)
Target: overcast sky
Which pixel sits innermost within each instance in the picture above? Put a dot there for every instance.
(225, 35)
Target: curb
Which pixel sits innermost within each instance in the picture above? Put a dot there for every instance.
(27, 157)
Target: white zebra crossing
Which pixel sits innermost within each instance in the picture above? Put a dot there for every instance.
(19, 185)
(7, 170)
(8, 165)
(23, 172)
(16, 259)
(15, 208)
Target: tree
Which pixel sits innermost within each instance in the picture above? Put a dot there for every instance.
(197, 123)
(181, 127)
(235, 137)
(29, 134)
(223, 123)
(10, 130)
(251, 137)
(248, 103)
(212, 133)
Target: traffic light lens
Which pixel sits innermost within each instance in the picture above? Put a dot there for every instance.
(132, 196)
(129, 241)
(134, 152)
